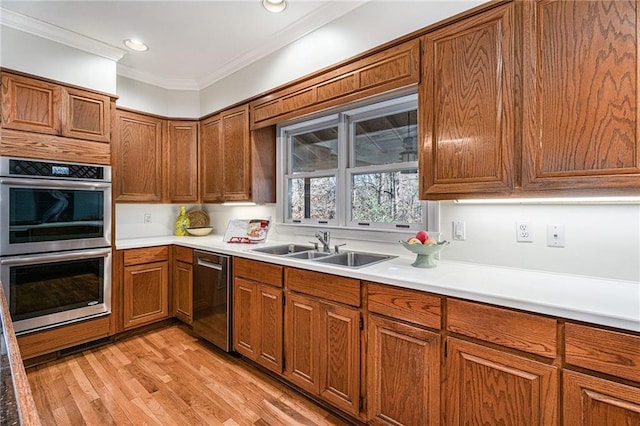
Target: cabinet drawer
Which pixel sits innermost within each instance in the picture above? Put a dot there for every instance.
(603, 350)
(183, 254)
(258, 271)
(518, 330)
(326, 286)
(404, 304)
(146, 255)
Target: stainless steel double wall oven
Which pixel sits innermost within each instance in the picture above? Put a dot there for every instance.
(55, 241)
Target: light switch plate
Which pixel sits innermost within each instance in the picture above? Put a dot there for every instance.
(459, 230)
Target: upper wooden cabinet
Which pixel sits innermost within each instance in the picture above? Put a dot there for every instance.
(138, 157)
(467, 107)
(390, 69)
(581, 68)
(236, 164)
(39, 106)
(182, 155)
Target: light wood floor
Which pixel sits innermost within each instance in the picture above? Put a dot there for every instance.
(165, 377)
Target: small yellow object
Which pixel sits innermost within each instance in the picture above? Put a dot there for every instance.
(182, 222)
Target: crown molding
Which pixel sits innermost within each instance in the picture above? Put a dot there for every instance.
(38, 28)
(165, 83)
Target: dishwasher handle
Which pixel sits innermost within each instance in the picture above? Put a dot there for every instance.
(207, 264)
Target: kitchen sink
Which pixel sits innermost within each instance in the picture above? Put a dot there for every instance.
(284, 249)
(354, 259)
(309, 255)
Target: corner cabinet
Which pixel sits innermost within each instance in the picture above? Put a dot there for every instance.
(467, 104)
(581, 94)
(182, 157)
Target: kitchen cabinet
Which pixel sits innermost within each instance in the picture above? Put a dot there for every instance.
(258, 312)
(403, 368)
(467, 106)
(580, 96)
(145, 286)
(323, 326)
(182, 159)
(183, 283)
(236, 164)
(138, 157)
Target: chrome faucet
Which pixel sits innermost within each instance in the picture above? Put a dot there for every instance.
(324, 238)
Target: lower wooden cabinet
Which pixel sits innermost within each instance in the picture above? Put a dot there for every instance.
(322, 347)
(594, 401)
(403, 374)
(145, 286)
(492, 387)
(183, 284)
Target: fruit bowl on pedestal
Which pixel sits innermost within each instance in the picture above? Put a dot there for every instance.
(426, 253)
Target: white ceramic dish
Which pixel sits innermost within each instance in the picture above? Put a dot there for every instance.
(200, 231)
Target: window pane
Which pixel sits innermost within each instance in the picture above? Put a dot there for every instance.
(386, 197)
(317, 150)
(312, 198)
(386, 140)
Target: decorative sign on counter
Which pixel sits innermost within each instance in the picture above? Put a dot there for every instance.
(247, 231)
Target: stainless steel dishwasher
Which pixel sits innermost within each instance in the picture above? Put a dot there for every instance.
(212, 298)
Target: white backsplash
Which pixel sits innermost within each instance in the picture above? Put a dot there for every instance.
(601, 240)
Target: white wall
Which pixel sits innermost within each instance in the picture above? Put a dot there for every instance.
(24, 52)
(145, 97)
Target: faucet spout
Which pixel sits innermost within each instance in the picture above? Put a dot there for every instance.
(324, 238)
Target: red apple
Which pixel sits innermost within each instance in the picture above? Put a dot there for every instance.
(422, 236)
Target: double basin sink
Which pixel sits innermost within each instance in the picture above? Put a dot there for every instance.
(349, 259)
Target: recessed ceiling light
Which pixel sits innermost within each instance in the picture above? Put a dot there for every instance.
(136, 45)
(274, 6)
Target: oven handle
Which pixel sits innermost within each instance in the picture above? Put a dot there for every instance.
(53, 257)
(62, 184)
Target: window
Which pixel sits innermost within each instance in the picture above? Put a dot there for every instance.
(357, 168)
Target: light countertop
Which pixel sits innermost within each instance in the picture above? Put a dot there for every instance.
(609, 302)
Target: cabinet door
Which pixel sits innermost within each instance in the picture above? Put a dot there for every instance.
(183, 291)
(467, 104)
(30, 105)
(137, 153)
(340, 356)
(211, 160)
(591, 401)
(270, 326)
(404, 374)
(580, 95)
(245, 303)
(182, 150)
(302, 338)
(236, 154)
(86, 115)
(487, 386)
(146, 291)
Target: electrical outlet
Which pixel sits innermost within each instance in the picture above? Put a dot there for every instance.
(147, 218)
(523, 231)
(555, 235)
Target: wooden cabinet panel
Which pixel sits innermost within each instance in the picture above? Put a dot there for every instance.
(146, 297)
(328, 287)
(581, 96)
(182, 151)
(392, 68)
(405, 304)
(339, 381)
(518, 330)
(211, 150)
(30, 105)
(245, 301)
(606, 351)
(86, 115)
(183, 290)
(258, 271)
(486, 386)
(467, 97)
(591, 401)
(302, 335)
(138, 159)
(236, 154)
(146, 255)
(403, 374)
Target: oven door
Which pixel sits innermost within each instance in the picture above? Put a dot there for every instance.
(43, 215)
(56, 288)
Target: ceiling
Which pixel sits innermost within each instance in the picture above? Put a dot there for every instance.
(192, 44)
